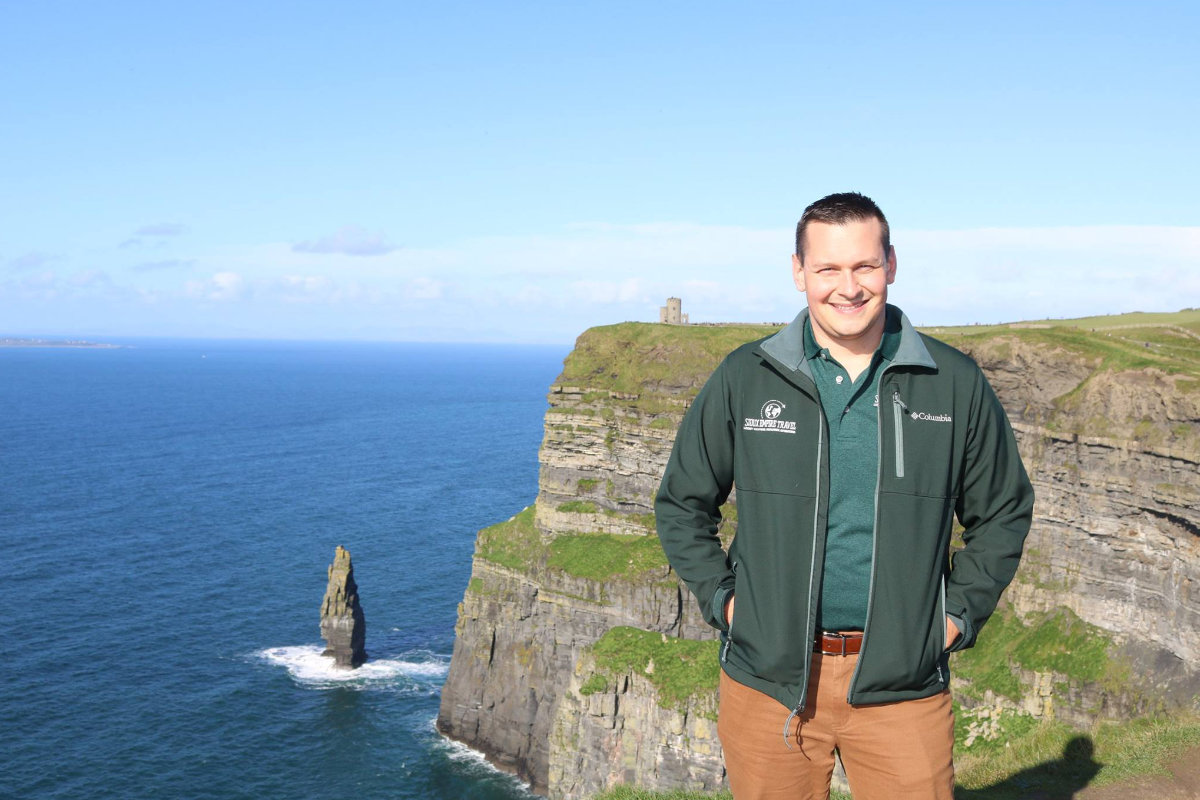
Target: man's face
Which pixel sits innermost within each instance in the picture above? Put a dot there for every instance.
(845, 276)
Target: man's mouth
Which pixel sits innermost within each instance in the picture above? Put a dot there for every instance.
(849, 308)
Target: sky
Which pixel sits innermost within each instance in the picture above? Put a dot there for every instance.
(518, 172)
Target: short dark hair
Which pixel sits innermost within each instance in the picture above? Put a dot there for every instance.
(838, 209)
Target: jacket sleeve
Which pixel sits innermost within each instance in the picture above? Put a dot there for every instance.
(697, 480)
(995, 508)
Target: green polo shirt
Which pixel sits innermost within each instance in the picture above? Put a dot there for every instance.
(852, 415)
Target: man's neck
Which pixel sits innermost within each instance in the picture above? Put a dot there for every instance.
(854, 357)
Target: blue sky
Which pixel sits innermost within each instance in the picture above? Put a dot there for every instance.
(521, 171)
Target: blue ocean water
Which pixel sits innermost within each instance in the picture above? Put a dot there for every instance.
(167, 514)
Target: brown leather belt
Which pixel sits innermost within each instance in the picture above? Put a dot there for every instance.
(832, 643)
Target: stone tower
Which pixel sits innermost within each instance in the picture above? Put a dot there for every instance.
(672, 312)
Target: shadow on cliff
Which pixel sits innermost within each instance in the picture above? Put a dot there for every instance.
(1060, 779)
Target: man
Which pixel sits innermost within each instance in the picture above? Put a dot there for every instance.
(853, 441)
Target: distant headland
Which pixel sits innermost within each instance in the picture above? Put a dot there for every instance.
(16, 341)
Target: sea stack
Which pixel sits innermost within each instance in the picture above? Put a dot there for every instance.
(343, 626)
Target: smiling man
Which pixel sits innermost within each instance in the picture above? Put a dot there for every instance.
(854, 442)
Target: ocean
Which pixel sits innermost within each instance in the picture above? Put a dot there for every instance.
(167, 514)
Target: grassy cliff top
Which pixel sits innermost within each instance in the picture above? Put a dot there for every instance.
(641, 358)
(1169, 342)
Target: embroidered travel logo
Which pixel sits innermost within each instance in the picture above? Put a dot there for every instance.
(768, 419)
(927, 417)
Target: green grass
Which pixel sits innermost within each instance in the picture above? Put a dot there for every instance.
(1061, 642)
(679, 669)
(517, 544)
(1057, 641)
(643, 520)
(1056, 759)
(643, 358)
(1111, 346)
(595, 683)
(1143, 746)
(585, 485)
(514, 543)
(1186, 318)
(987, 665)
(578, 507)
(606, 556)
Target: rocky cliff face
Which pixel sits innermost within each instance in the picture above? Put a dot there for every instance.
(343, 626)
(1115, 459)
(1112, 444)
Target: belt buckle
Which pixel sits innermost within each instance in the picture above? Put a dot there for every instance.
(835, 635)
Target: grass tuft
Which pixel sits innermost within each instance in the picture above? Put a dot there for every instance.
(679, 669)
(606, 556)
(578, 507)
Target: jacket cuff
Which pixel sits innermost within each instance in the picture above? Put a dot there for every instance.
(717, 607)
(966, 636)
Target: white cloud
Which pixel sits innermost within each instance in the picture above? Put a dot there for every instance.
(221, 287)
(350, 241)
(550, 287)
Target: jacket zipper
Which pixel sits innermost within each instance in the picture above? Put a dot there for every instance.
(942, 616)
(898, 411)
(810, 627)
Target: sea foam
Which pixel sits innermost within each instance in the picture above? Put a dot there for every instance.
(476, 761)
(307, 666)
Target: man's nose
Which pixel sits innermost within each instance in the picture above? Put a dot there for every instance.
(848, 284)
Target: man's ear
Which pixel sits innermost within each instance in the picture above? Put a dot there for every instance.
(798, 273)
(891, 265)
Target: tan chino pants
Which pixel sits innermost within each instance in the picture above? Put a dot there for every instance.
(891, 751)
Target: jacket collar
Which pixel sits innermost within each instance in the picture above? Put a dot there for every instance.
(787, 346)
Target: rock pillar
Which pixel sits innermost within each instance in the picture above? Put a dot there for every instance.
(343, 626)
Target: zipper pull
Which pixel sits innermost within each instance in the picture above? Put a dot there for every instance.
(897, 401)
(787, 724)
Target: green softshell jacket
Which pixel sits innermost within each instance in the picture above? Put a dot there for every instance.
(945, 449)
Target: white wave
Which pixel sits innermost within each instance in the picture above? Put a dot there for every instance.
(477, 761)
(306, 665)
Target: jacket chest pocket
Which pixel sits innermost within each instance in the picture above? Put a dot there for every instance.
(919, 452)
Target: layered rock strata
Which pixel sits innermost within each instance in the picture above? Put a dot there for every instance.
(343, 626)
(614, 729)
(1114, 457)
(1113, 452)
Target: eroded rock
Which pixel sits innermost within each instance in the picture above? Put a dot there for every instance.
(343, 626)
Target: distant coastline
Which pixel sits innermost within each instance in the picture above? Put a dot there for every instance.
(14, 341)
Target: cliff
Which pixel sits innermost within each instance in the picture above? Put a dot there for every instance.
(574, 662)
